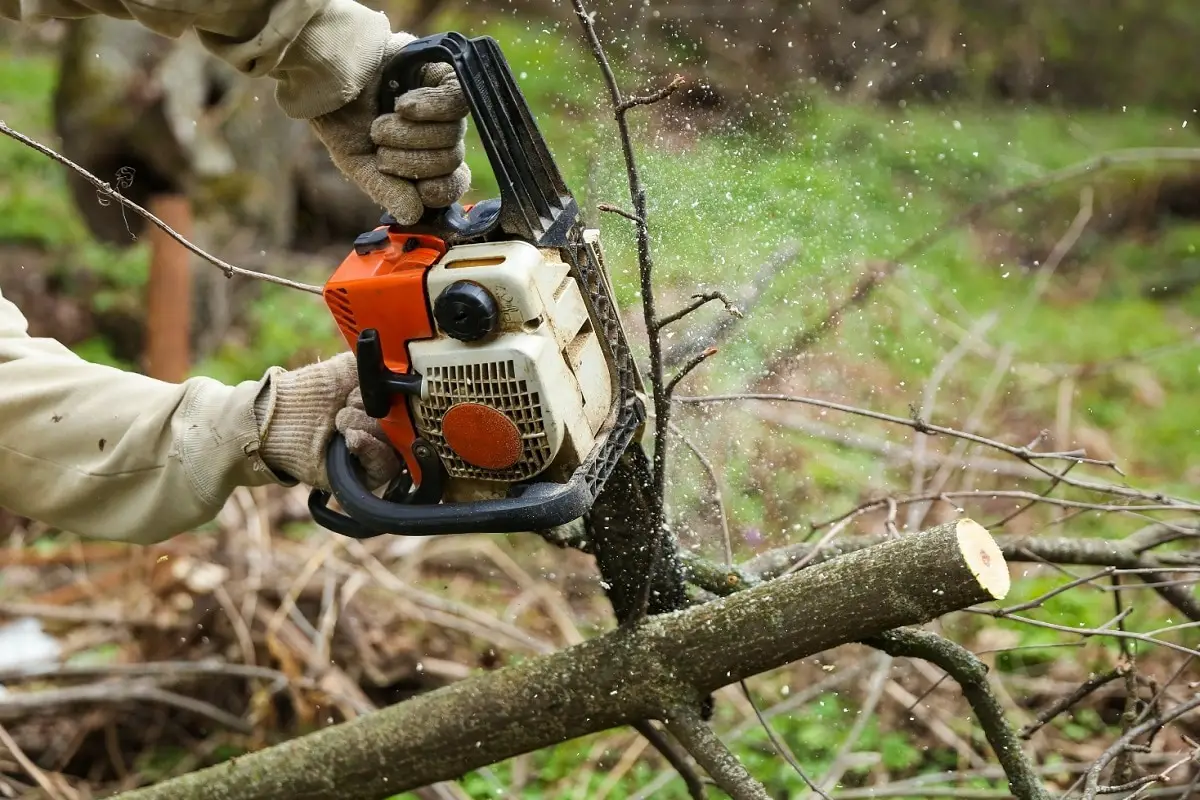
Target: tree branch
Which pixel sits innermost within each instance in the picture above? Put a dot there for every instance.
(971, 675)
(1092, 785)
(687, 368)
(637, 193)
(720, 328)
(663, 745)
(104, 188)
(698, 300)
(619, 678)
(711, 753)
(1057, 550)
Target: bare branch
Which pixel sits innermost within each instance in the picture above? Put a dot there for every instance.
(1087, 632)
(620, 212)
(971, 675)
(711, 753)
(917, 424)
(723, 326)
(718, 494)
(653, 97)
(1101, 162)
(1063, 704)
(31, 769)
(662, 407)
(779, 745)
(1092, 785)
(104, 188)
(698, 301)
(686, 369)
(663, 745)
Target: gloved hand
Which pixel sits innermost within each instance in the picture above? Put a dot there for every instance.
(411, 157)
(299, 416)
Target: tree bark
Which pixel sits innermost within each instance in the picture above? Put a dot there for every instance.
(627, 675)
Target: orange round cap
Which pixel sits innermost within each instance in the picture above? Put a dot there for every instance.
(482, 436)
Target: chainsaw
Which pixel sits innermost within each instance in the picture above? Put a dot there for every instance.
(487, 337)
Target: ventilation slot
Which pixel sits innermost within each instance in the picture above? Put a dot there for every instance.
(340, 307)
(492, 383)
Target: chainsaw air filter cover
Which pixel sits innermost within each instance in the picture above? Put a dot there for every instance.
(526, 396)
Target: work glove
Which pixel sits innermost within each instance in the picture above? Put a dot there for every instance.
(302, 409)
(410, 157)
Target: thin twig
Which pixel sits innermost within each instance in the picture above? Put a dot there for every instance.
(687, 368)
(919, 425)
(21, 705)
(698, 301)
(653, 97)
(620, 212)
(104, 188)
(1092, 785)
(780, 747)
(1063, 704)
(1041, 600)
(711, 753)
(971, 675)
(718, 494)
(1137, 637)
(722, 326)
(31, 769)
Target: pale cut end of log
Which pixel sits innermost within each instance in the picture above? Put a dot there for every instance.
(983, 557)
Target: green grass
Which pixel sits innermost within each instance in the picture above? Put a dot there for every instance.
(849, 184)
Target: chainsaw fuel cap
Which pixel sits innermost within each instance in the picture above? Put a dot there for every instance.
(466, 311)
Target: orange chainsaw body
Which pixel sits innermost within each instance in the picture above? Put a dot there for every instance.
(384, 288)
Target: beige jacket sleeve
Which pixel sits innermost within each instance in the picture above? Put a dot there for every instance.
(117, 455)
(320, 52)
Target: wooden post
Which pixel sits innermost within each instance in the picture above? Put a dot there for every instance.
(167, 352)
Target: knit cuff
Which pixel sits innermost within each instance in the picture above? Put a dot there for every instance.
(220, 441)
(336, 54)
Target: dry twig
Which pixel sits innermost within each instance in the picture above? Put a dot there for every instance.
(106, 189)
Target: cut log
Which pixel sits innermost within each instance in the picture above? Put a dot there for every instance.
(623, 677)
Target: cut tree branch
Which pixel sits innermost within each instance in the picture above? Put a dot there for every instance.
(1057, 550)
(620, 678)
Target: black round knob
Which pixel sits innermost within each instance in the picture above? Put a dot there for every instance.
(466, 311)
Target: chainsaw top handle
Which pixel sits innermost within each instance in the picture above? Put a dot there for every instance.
(535, 204)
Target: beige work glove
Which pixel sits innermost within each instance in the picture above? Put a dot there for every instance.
(411, 158)
(301, 410)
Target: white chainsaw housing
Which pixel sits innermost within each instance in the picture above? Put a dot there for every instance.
(544, 368)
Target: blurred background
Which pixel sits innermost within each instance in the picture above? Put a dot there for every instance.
(801, 169)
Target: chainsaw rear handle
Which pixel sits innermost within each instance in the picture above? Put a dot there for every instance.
(538, 506)
(535, 203)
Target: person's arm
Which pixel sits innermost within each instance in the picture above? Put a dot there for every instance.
(320, 52)
(117, 455)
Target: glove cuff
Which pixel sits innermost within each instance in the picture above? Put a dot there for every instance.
(336, 55)
(295, 415)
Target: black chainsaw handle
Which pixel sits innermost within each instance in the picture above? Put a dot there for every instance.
(540, 506)
(535, 204)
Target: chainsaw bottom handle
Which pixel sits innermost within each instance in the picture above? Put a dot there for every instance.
(539, 506)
